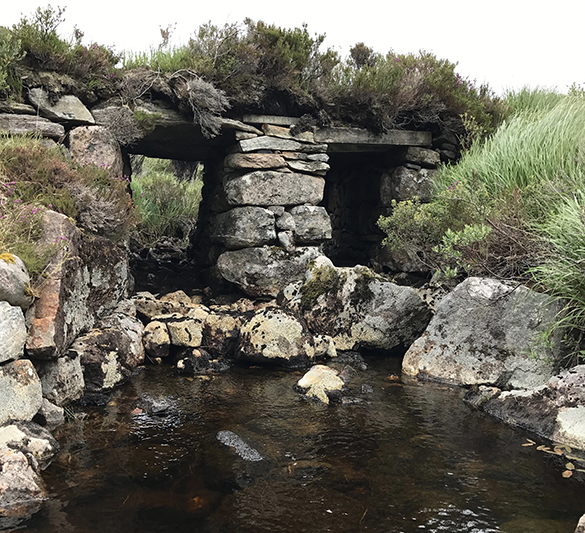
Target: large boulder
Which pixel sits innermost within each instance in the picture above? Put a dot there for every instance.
(243, 227)
(405, 183)
(109, 355)
(358, 308)
(555, 410)
(14, 281)
(20, 390)
(31, 439)
(21, 489)
(275, 336)
(265, 271)
(87, 278)
(268, 187)
(488, 332)
(96, 145)
(67, 108)
(61, 379)
(12, 332)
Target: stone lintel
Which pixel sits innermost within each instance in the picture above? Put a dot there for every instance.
(361, 140)
(270, 119)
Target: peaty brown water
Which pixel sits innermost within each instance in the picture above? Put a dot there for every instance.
(408, 457)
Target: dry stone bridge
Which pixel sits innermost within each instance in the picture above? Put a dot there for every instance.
(272, 194)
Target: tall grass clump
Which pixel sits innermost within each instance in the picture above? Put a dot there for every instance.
(166, 206)
(520, 204)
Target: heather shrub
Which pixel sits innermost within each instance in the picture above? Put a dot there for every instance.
(42, 176)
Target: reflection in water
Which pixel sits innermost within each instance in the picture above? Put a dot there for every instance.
(406, 457)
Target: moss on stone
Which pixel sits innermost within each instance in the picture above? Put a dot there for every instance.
(325, 280)
(147, 120)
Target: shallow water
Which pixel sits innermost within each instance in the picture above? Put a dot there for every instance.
(409, 457)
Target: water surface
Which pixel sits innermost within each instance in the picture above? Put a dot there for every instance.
(408, 457)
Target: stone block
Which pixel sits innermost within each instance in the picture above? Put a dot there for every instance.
(266, 188)
(243, 227)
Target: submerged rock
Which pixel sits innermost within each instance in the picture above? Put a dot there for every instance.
(555, 410)
(241, 447)
(488, 332)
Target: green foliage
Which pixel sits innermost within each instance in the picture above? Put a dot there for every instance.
(10, 53)
(166, 206)
(36, 42)
(520, 205)
(20, 229)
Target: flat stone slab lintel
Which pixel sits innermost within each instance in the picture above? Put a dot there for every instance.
(358, 140)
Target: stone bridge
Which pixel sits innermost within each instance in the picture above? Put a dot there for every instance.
(271, 193)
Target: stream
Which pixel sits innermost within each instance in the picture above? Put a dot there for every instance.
(243, 452)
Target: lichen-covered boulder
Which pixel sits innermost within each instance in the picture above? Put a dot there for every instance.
(488, 332)
(109, 355)
(156, 339)
(20, 391)
(95, 145)
(243, 227)
(31, 439)
(275, 336)
(357, 308)
(62, 379)
(267, 187)
(405, 183)
(265, 271)
(12, 332)
(14, 282)
(22, 490)
(68, 108)
(88, 276)
(312, 224)
(221, 332)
